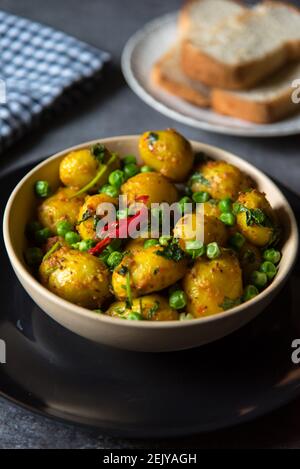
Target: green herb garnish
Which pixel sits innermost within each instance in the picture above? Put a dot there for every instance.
(153, 310)
(128, 291)
(98, 152)
(172, 252)
(254, 216)
(199, 178)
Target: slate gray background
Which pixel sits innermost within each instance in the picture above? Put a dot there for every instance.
(114, 110)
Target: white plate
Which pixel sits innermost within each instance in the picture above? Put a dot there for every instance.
(139, 54)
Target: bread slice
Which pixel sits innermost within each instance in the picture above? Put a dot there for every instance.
(167, 74)
(240, 51)
(204, 14)
(268, 102)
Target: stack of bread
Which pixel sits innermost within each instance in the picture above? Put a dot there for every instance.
(241, 62)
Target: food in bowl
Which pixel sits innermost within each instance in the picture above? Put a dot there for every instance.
(78, 255)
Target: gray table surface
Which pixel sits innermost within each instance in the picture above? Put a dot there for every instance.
(115, 110)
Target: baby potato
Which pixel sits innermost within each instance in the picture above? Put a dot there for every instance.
(148, 272)
(187, 227)
(255, 218)
(76, 276)
(220, 180)
(152, 184)
(151, 308)
(250, 259)
(60, 206)
(211, 284)
(88, 209)
(211, 208)
(168, 152)
(78, 168)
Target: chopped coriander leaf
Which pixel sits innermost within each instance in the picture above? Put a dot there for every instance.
(152, 137)
(123, 270)
(128, 291)
(172, 252)
(86, 215)
(153, 310)
(198, 177)
(98, 152)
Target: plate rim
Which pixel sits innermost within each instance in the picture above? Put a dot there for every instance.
(126, 58)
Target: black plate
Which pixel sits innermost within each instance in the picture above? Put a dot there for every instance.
(55, 372)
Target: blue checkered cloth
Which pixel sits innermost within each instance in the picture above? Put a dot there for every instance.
(41, 70)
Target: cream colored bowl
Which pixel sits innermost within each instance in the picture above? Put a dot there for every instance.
(140, 335)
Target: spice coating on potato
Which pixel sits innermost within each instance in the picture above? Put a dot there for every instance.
(151, 307)
(148, 272)
(153, 185)
(211, 282)
(60, 206)
(86, 228)
(168, 152)
(76, 276)
(220, 180)
(189, 226)
(259, 234)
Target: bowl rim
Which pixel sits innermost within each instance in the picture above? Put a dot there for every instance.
(84, 312)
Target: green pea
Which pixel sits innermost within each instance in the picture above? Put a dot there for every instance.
(32, 227)
(213, 251)
(42, 189)
(146, 169)
(42, 235)
(178, 299)
(194, 248)
(237, 241)
(183, 204)
(131, 170)
(85, 244)
(201, 197)
(150, 242)
(62, 227)
(259, 279)
(272, 255)
(129, 159)
(114, 259)
(71, 237)
(227, 218)
(269, 269)
(116, 178)
(109, 190)
(33, 256)
(104, 256)
(135, 317)
(225, 205)
(250, 292)
(164, 240)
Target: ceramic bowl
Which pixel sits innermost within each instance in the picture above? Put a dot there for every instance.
(141, 335)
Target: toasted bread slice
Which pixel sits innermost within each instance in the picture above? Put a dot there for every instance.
(268, 102)
(167, 74)
(204, 14)
(242, 50)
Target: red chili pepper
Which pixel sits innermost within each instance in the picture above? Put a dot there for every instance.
(114, 230)
(142, 198)
(96, 250)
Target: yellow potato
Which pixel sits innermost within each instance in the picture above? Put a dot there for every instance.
(211, 208)
(60, 206)
(76, 276)
(148, 272)
(79, 167)
(153, 185)
(151, 307)
(259, 234)
(220, 180)
(187, 228)
(86, 228)
(250, 259)
(168, 152)
(211, 285)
